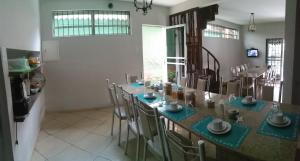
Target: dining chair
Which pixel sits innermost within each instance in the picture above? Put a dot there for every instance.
(246, 67)
(201, 84)
(233, 88)
(267, 93)
(183, 82)
(242, 67)
(152, 132)
(133, 124)
(233, 72)
(130, 78)
(179, 148)
(118, 110)
(238, 69)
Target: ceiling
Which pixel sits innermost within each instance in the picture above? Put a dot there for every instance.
(237, 11)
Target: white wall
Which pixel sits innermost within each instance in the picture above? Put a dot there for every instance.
(19, 25)
(258, 38)
(20, 29)
(77, 80)
(227, 51)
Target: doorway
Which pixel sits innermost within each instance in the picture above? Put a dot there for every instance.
(164, 53)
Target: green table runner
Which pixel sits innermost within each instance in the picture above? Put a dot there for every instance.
(289, 132)
(233, 139)
(255, 107)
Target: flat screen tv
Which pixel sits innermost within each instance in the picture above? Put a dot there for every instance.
(252, 52)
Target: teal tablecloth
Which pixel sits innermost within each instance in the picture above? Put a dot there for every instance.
(289, 132)
(233, 139)
(136, 85)
(178, 116)
(147, 100)
(256, 107)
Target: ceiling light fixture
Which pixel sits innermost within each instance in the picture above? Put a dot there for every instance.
(145, 6)
(252, 26)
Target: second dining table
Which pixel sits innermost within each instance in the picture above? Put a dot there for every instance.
(251, 139)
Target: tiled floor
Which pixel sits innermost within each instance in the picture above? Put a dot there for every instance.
(81, 136)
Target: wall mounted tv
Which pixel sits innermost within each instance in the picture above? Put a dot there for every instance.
(252, 52)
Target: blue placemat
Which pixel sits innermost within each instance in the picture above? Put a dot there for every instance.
(178, 116)
(260, 104)
(148, 101)
(289, 132)
(136, 85)
(233, 139)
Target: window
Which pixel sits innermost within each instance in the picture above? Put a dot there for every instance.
(90, 22)
(213, 30)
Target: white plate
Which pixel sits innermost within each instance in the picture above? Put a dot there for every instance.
(285, 124)
(227, 128)
(172, 109)
(245, 102)
(149, 97)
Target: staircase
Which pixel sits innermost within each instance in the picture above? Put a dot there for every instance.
(210, 70)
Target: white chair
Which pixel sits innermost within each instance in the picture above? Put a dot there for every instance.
(130, 78)
(233, 88)
(201, 84)
(238, 69)
(133, 124)
(118, 109)
(152, 132)
(246, 67)
(179, 148)
(268, 93)
(242, 67)
(233, 72)
(183, 82)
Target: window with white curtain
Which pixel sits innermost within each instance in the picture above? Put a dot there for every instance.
(90, 22)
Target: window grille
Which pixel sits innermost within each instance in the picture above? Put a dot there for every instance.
(90, 22)
(213, 30)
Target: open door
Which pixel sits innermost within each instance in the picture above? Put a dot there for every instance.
(164, 53)
(176, 53)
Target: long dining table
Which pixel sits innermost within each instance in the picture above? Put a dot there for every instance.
(254, 146)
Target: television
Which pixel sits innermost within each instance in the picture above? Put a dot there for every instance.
(252, 52)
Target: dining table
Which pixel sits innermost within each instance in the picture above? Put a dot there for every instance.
(250, 139)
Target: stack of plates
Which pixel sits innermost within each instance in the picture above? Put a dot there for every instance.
(225, 128)
(286, 122)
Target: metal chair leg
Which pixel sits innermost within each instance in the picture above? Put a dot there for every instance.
(138, 148)
(126, 146)
(145, 149)
(112, 125)
(120, 131)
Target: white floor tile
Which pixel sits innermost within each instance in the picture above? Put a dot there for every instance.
(51, 146)
(37, 157)
(72, 154)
